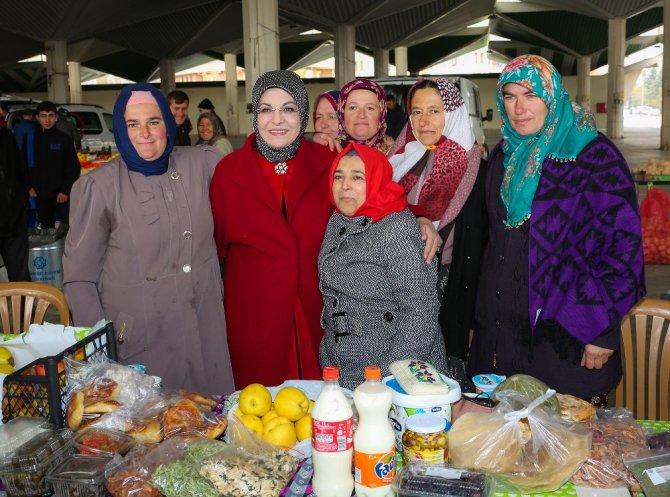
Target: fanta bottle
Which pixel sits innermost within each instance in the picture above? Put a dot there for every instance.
(332, 439)
(374, 440)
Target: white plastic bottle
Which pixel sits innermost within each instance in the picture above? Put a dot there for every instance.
(332, 439)
(374, 440)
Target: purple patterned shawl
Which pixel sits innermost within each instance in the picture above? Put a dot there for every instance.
(585, 266)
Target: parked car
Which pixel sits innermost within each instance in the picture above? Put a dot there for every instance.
(399, 86)
(93, 122)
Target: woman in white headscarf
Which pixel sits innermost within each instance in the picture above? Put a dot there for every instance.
(438, 162)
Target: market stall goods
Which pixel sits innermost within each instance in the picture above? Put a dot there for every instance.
(575, 409)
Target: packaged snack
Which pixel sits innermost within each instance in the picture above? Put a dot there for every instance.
(18, 431)
(659, 440)
(652, 470)
(418, 377)
(530, 449)
(615, 433)
(24, 470)
(80, 476)
(423, 480)
(94, 441)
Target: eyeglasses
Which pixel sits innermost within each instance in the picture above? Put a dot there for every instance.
(287, 110)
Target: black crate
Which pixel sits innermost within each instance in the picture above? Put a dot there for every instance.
(25, 393)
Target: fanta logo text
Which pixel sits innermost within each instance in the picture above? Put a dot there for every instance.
(385, 467)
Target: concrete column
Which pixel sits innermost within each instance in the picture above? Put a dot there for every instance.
(56, 53)
(73, 69)
(616, 51)
(381, 63)
(665, 93)
(345, 54)
(401, 68)
(232, 126)
(584, 82)
(167, 69)
(260, 22)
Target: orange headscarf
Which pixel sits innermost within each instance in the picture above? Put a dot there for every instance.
(383, 196)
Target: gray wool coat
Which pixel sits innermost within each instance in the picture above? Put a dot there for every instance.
(379, 295)
(141, 252)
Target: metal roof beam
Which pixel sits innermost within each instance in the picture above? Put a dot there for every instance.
(542, 36)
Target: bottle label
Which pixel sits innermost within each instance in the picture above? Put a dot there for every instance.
(332, 436)
(374, 470)
(437, 456)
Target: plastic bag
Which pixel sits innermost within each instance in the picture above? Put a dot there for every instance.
(132, 478)
(249, 466)
(530, 449)
(615, 434)
(655, 214)
(652, 469)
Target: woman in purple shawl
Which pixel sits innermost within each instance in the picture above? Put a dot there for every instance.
(564, 260)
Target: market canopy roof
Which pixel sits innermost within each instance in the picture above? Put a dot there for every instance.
(128, 38)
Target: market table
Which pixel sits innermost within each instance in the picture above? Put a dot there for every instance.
(300, 485)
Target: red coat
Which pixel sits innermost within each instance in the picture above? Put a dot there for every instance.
(270, 261)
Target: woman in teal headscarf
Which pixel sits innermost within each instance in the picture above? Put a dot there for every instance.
(563, 263)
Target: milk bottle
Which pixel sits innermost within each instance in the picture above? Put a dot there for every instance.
(374, 440)
(332, 440)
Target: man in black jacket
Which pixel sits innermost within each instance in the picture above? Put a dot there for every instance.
(178, 101)
(53, 166)
(13, 204)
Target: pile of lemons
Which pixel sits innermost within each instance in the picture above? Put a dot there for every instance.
(283, 422)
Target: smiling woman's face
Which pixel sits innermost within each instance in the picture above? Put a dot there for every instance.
(362, 114)
(278, 118)
(146, 130)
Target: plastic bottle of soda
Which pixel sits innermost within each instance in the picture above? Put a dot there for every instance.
(332, 439)
(374, 440)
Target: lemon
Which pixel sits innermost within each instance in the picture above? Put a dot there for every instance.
(6, 356)
(281, 432)
(291, 403)
(254, 423)
(6, 368)
(270, 415)
(255, 399)
(303, 427)
(311, 406)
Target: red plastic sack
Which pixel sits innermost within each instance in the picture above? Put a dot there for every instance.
(655, 214)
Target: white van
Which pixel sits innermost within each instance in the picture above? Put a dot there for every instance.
(93, 122)
(399, 86)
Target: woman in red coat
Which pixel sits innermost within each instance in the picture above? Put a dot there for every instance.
(270, 206)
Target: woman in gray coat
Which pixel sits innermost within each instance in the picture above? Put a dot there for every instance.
(140, 250)
(380, 297)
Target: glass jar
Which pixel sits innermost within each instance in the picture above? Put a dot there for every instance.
(425, 439)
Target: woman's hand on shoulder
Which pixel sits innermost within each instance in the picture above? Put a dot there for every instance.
(324, 139)
(432, 238)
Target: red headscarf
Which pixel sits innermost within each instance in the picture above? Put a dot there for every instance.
(383, 196)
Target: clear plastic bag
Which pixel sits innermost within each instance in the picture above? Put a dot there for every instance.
(529, 449)
(249, 466)
(652, 470)
(615, 434)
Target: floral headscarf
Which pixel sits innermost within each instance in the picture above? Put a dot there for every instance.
(377, 140)
(453, 161)
(567, 129)
(383, 196)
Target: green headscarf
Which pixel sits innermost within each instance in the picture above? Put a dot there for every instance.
(567, 129)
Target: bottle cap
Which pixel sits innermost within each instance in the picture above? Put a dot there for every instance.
(425, 423)
(331, 373)
(373, 373)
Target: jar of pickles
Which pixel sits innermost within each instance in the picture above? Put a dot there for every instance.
(425, 439)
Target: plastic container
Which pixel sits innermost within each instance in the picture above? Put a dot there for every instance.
(425, 439)
(374, 440)
(24, 393)
(94, 441)
(487, 383)
(422, 480)
(19, 431)
(24, 471)
(332, 439)
(80, 476)
(405, 405)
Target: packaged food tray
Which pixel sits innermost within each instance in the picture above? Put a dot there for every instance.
(39, 389)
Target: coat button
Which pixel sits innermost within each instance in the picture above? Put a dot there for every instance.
(497, 324)
(334, 302)
(364, 222)
(187, 234)
(343, 231)
(498, 292)
(332, 249)
(174, 175)
(465, 287)
(186, 268)
(388, 316)
(467, 257)
(501, 258)
(467, 226)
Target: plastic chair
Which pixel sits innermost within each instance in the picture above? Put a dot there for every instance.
(645, 353)
(23, 303)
